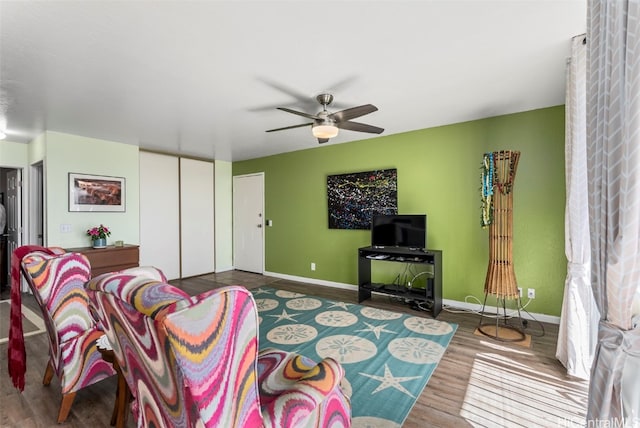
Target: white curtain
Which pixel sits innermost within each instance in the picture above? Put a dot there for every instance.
(613, 159)
(578, 332)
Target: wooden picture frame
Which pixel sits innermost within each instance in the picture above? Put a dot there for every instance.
(96, 193)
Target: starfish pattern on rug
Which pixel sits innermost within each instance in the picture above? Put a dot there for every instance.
(284, 316)
(390, 381)
(376, 329)
(371, 344)
(260, 291)
(342, 305)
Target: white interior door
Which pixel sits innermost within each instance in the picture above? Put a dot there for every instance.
(248, 222)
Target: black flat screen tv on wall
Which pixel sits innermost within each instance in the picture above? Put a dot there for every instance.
(400, 230)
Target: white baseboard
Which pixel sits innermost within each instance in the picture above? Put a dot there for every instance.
(447, 303)
(312, 281)
(455, 304)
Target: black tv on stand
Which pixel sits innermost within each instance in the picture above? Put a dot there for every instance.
(399, 230)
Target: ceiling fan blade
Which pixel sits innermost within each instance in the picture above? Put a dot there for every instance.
(323, 140)
(289, 127)
(360, 127)
(353, 112)
(299, 113)
(292, 92)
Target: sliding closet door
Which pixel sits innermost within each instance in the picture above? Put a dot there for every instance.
(196, 217)
(159, 213)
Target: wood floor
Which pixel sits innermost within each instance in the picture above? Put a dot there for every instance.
(479, 382)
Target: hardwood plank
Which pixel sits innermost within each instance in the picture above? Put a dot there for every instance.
(479, 381)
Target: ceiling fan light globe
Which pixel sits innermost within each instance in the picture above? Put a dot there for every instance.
(324, 131)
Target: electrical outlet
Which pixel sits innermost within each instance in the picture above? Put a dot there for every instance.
(520, 292)
(65, 228)
(531, 293)
(313, 266)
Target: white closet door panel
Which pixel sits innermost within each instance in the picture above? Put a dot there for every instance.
(159, 213)
(196, 217)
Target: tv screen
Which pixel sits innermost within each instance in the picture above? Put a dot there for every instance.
(400, 230)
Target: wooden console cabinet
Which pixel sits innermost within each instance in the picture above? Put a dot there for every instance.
(110, 259)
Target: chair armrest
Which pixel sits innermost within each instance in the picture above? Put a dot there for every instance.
(147, 272)
(294, 390)
(195, 300)
(147, 295)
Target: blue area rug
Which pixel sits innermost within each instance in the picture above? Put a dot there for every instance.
(388, 357)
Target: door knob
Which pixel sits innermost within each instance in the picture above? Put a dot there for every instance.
(259, 225)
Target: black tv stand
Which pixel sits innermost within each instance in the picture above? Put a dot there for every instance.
(432, 294)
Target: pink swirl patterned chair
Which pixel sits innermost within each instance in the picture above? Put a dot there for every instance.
(194, 361)
(57, 282)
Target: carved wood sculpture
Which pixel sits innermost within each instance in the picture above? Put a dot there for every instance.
(498, 179)
(501, 276)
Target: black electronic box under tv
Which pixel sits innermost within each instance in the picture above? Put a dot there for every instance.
(399, 230)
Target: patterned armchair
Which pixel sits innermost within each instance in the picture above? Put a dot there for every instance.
(57, 282)
(194, 361)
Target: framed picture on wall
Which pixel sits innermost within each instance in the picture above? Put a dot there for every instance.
(97, 193)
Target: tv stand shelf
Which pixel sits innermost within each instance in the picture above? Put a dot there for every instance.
(431, 294)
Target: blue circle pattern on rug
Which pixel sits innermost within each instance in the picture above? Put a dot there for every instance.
(388, 357)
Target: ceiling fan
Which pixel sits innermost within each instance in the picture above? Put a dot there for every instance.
(325, 125)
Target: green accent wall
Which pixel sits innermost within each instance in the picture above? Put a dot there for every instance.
(438, 174)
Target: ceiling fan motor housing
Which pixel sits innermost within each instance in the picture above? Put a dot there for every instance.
(325, 99)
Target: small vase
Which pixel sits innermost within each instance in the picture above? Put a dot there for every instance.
(100, 243)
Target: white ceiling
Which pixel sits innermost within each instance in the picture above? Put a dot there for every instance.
(203, 78)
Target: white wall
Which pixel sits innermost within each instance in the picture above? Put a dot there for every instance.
(224, 216)
(67, 153)
(14, 155)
